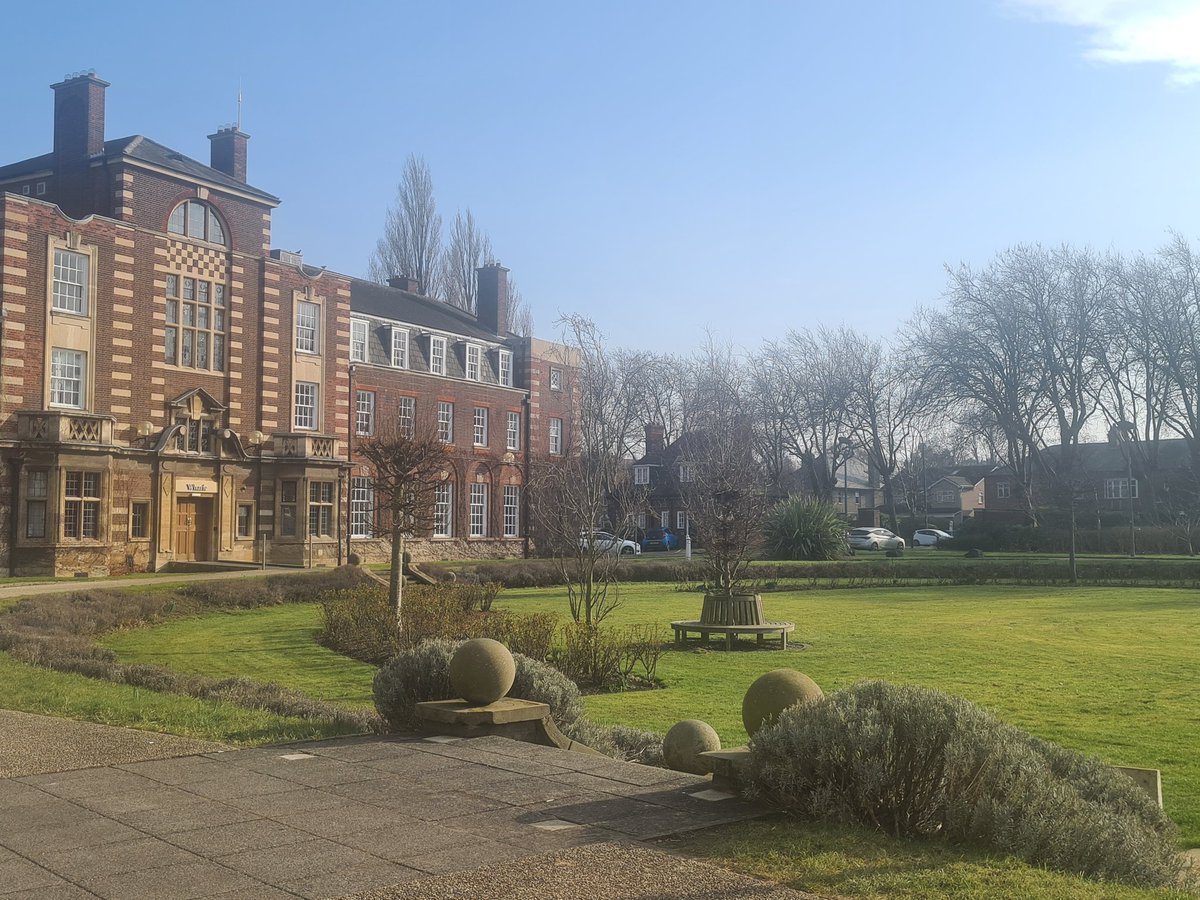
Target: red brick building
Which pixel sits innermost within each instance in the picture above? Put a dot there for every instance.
(173, 390)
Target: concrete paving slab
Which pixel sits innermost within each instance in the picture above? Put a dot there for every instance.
(336, 817)
(23, 875)
(62, 890)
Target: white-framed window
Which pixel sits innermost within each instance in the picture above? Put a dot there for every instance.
(681, 522)
(359, 338)
(979, 498)
(513, 433)
(474, 362)
(81, 505)
(25, 189)
(41, 188)
(437, 355)
(555, 379)
(481, 426)
(308, 327)
(504, 367)
(1120, 489)
(71, 284)
(640, 520)
(245, 519)
(445, 422)
(196, 220)
(1002, 490)
(305, 418)
(362, 507)
(443, 510)
(686, 472)
(512, 510)
(399, 348)
(556, 436)
(945, 497)
(320, 508)
(194, 336)
(406, 416)
(365, 413)
(664, 519)
(68, 374)
(479, 505)
(641, 474)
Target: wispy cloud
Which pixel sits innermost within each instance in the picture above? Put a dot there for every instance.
(1131, 31)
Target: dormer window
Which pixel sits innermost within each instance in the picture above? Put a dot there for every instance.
(474, 362)
(641, 474)
(195, 219)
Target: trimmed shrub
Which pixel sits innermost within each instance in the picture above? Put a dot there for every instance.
(911, 761)
(797, 528)
(422, 673)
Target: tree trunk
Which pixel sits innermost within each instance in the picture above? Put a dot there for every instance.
(396, 576)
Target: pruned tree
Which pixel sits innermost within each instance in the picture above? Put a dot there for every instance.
(589, 484)
(727, 500)
(412, 235)
(407, 466)
(520, 316)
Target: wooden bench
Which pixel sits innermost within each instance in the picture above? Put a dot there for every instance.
(705, 629)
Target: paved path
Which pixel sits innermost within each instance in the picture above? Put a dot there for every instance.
(31, 745)
(329, 818)
(66, 586)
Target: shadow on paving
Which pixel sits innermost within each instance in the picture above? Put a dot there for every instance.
(328, 818)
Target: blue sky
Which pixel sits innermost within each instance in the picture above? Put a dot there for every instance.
(670, 167)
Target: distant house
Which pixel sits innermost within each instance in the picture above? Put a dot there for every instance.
(664, 472)
(855, 488)
(1158, 469)
(952, 498)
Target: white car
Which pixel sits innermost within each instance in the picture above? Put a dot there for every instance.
(610, 543)
(930, 537)
(874, 539)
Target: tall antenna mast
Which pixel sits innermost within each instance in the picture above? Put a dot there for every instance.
(239, 118)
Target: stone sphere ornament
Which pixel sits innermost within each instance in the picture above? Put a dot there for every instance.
(685, 742)
(774, 692)
(482, 671)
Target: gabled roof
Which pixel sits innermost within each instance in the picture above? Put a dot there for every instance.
(957, 480)
(384, 302)
(143, 149)
(1102, 456)
(679, 449)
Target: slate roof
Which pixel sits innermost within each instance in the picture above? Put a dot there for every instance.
(145, 150)
(1103, 456)
(372, 299)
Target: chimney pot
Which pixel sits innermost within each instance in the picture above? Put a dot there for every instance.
(405, 283)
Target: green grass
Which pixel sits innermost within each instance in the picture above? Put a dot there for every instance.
(274, 643)
(35, 690)
(1107, 671)
(852, 862)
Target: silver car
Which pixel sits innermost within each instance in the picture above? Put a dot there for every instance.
(874, 539)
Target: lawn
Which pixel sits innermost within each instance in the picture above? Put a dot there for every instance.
(1107, 671)
(36, 690)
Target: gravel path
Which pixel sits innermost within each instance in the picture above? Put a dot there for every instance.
(67, 585)
(608, 871)
(32, 745)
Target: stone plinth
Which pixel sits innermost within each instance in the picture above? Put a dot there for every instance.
(728, 767)
(510, 717)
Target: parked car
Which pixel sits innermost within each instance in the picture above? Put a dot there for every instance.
(660, 539)
(609, 543)
(874, 539)
(930, 537)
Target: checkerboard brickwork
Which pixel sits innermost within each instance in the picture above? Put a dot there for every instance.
(199, 261)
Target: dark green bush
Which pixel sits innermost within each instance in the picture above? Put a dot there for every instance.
(911, 761)
(798, 528)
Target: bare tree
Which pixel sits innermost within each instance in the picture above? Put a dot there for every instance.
(589, 484)
(469, 248)
(520, 316)
(412, 236)
(407, 466)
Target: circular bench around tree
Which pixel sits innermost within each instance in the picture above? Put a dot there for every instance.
(732, 615)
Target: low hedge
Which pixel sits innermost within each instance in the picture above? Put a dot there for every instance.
(916, 762)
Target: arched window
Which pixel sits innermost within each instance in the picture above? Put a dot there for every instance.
(196, 220)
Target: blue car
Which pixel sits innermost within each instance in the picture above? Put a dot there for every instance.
(660, 539)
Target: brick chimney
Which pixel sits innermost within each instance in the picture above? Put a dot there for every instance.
(491, 298)
(78, 120)
(227, 151)
(654, 439)
(405, 283)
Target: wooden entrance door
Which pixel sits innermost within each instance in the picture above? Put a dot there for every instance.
(193, 523)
